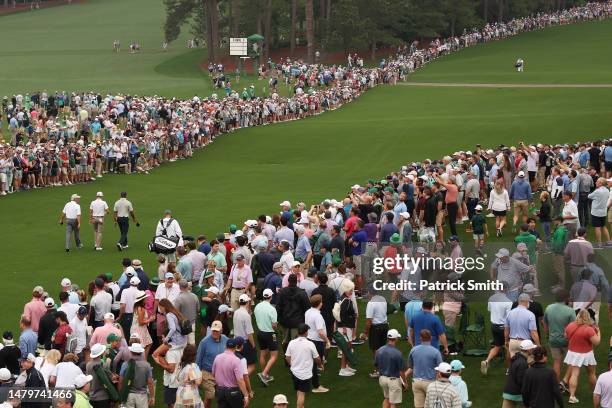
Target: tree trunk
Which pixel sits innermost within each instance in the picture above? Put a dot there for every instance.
(267, 29)
(293, 23)
(485, 11)
(234, 17)
(500, 11)
(321, 22)
(212, 29)
(327, 16)
(308, 7)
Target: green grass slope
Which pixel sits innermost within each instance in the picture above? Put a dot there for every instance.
(571, 54)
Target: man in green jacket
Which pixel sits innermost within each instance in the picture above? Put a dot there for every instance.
(558, 242)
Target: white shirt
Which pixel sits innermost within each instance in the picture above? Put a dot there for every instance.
(164, 292)
(101, 302)
(79, 328)
(173, 229)
(128, 298)
(98, 207)
(376, 309)
(315, 321)
(65, 373)
(571, 209)
(123, 207)
(72, 210)
(499, 305)
(70, 309)
(302, 352)
(286, 260)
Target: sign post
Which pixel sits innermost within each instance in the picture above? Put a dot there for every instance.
(238, 47)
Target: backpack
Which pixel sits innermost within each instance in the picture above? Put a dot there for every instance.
(185, 327)
(336, 259)
(439, 402)
(128, 378)
(71, 343)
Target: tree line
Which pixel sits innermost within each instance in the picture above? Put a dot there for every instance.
(331, 25)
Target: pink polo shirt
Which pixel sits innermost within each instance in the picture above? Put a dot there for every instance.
(34, 310)
(300, 277)
(101, 333)
(227, 369)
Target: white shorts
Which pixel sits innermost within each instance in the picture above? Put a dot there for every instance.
(2, 177)
(580, 359)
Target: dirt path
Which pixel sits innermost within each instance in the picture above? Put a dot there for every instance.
(468, 85)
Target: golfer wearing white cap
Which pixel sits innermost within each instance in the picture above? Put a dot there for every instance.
(266, 319)
(441, 393)
(98, 209)
(71, 213)
(391, 365)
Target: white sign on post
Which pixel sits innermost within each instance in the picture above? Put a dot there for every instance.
(238, 46)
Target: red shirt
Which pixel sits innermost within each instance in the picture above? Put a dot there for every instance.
(59, 339)
(579, 337)
(349, 226)
(229, 247)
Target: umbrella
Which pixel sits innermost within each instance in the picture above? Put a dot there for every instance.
(255, 37)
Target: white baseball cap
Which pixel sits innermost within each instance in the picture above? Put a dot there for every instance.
(405, 215)
(130, 271)
(135, 281)
(216, 325)
(109, 316)
(444, 368)
(356, 186)
(478, 207)
(527, 345)
(74, 197)
(66, 282)
(213, 289)
(503, 252)
(5, 374)
(244, 298)
(82, 380)
(49, 302)
(521, 174)
(393, 334)
(280, 399)
(295, 263)
(285, 204)
(99, 194)
(267, 293)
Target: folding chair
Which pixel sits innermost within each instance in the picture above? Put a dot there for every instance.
(475, 338)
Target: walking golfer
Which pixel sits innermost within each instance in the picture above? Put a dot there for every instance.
(122, 212)
(72, 215)
(98, 209)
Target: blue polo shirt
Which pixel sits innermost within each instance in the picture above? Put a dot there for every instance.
(361, 238)
(208, 350)
(520, 190)
(429, 321)
(424, 359)
(389, 361)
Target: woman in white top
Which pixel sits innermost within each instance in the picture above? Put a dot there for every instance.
(499, 204)
(47, 364)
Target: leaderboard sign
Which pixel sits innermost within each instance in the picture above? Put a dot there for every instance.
(238, 46)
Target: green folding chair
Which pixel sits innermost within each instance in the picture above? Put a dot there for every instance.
(475, 338)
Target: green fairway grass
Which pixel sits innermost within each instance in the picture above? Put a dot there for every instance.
(571, 54)
(248, 172)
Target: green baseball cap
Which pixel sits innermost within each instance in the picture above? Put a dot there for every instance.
(372, 190)
(389, 189)
(112, 337)
(395, 239)
(108, 276)
(233, 228)
(208, 274)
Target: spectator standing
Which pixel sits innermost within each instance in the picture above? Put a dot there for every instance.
(602, 395)
(577, 251)
(540, 388)
(188, 304)
(301, 355)
(390, 364)
(231, 390)
(427, 320)
(266, 319)
(122, 211)
(376, 325)
(499, 305)
(72, 215)
(441, 392)
(291, 307)
(208, 349)
(512, 395)
(317, 334)
(520, 325)
(422, 361)
(556, 318)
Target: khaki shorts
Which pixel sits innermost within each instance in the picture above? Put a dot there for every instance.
(392, 389)
(558, 353)
(521, 206)
(440, 218)
(514, 346)
(208, 385)
(234, 295)
(419, 389)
